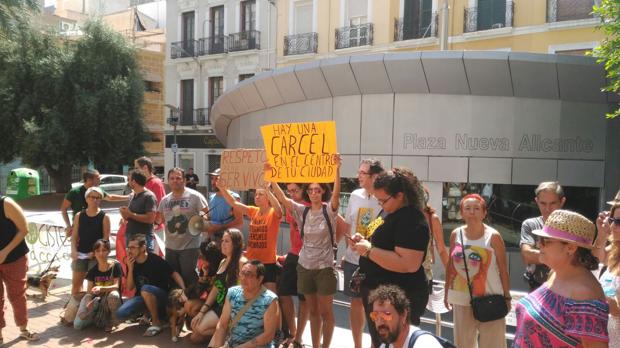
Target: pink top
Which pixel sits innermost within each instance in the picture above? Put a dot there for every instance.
(155, 185)
(295, 234)
(546, 319)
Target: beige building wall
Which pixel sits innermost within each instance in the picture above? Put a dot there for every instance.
(152, 65)
(530, 31)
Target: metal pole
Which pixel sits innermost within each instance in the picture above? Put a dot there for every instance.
(443, 40)
(174, 136)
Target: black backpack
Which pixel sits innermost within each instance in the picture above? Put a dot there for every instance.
(329, 227)
(442, 341)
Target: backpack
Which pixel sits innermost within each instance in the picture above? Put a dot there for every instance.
(329, 227)
(442, 341)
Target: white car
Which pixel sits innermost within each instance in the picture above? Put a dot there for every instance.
(111, 183)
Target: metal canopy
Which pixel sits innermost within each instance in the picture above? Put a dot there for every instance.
(510, 74)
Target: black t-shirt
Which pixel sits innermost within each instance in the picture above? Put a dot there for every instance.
(189, 183)
(105, 278)
(153, 271)
(404, 228)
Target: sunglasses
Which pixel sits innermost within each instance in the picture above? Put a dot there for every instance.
(314, 190)
(613, 221)
(95, 197)
(385, 316)
(546, 241)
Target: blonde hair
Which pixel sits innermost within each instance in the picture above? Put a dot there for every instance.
(613, 259)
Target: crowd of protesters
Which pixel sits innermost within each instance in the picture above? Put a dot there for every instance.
(238, 292)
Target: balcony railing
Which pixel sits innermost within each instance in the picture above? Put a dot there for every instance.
(407, 30)
(213, 45)
(491, 16)
(243, 41)
(354, 36)
(567, 10)
(183, 49)
(300, 43)
(201, 117)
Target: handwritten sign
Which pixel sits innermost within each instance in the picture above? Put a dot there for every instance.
(301, 152)
(242, 169)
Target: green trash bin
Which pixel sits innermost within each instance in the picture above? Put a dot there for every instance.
(23, 183)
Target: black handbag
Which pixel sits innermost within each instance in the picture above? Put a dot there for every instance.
(488, 307)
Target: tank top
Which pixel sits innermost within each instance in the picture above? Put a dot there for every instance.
(481, 266)
(8, 231)
(90, 230)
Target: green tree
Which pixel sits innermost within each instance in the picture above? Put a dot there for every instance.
(71, 104)
(609, 51)
(15, 13)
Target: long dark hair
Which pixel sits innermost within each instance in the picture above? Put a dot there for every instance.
(402, 180)
(213, 255)
(232, 269)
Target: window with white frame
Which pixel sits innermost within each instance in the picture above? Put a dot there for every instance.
(302, 14)
(356, 12)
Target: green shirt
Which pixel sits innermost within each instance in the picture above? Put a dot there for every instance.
(77, 198)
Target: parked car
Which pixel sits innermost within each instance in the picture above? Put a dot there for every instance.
(111, 183)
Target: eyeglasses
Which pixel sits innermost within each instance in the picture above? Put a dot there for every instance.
(385, 316)
(95, 197)
(132, 247)
(293, 191)
(613, 221)
(314, 190)
(545, 241)
(383, 201)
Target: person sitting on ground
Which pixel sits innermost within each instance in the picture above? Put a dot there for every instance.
(263, 230)
(208, 263)
(390, 315)
(91, 224)
(251, 314)
(103, 290)
(205, 322)
(150, 275)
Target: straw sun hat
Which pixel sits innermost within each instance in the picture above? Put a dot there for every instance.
(569, 227)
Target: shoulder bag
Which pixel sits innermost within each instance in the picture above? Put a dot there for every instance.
(485, 308)
(238, 317)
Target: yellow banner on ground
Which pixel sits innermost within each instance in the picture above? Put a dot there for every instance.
(242, 169)
(301, 152)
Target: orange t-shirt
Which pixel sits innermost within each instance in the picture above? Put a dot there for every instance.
(263, 235)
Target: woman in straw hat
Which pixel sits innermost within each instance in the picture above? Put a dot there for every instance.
(569, 309)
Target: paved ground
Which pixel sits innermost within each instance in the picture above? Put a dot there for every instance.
(44, 319)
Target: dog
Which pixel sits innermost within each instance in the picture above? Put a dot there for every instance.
(176, 312)
(43, 281)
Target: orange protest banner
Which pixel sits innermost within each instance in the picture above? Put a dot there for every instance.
(242, 169)
(301, 152)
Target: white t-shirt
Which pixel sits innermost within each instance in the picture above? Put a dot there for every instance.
(424, 341)
(361, 211)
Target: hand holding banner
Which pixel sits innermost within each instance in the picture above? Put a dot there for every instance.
(301, 152)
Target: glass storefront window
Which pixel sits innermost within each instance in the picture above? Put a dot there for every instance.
(509, 205)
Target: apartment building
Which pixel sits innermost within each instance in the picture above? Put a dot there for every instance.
(315, 29)
(213, 45)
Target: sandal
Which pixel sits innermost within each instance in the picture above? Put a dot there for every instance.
(29, 336)
(295, 344)
(152, 331)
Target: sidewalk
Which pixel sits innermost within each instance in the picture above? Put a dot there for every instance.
(44, 319)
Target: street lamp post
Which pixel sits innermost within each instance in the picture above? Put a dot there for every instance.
(173, 120)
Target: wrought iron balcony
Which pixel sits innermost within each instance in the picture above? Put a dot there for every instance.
(493, 15)
(201, 117)
(300, 43)
(213, 45)
(186, 117)
(183, 49)
(354, 36)
(567, 10)
(407, 30)
(243, 41)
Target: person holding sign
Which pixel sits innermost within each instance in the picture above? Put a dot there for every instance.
(316, 276)
(263, 230)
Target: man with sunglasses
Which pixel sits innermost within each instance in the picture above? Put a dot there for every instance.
(549, 197)
(390, 315)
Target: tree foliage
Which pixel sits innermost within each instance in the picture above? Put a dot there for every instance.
(70, 103)
(609, 50)
(14, 14)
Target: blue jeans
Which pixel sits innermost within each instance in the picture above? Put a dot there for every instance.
(136, 305)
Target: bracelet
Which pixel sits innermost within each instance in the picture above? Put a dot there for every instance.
(367, 253)
(508, 297)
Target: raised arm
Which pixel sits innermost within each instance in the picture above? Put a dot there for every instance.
(279, 194)
(335, 200)
(274, 201)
